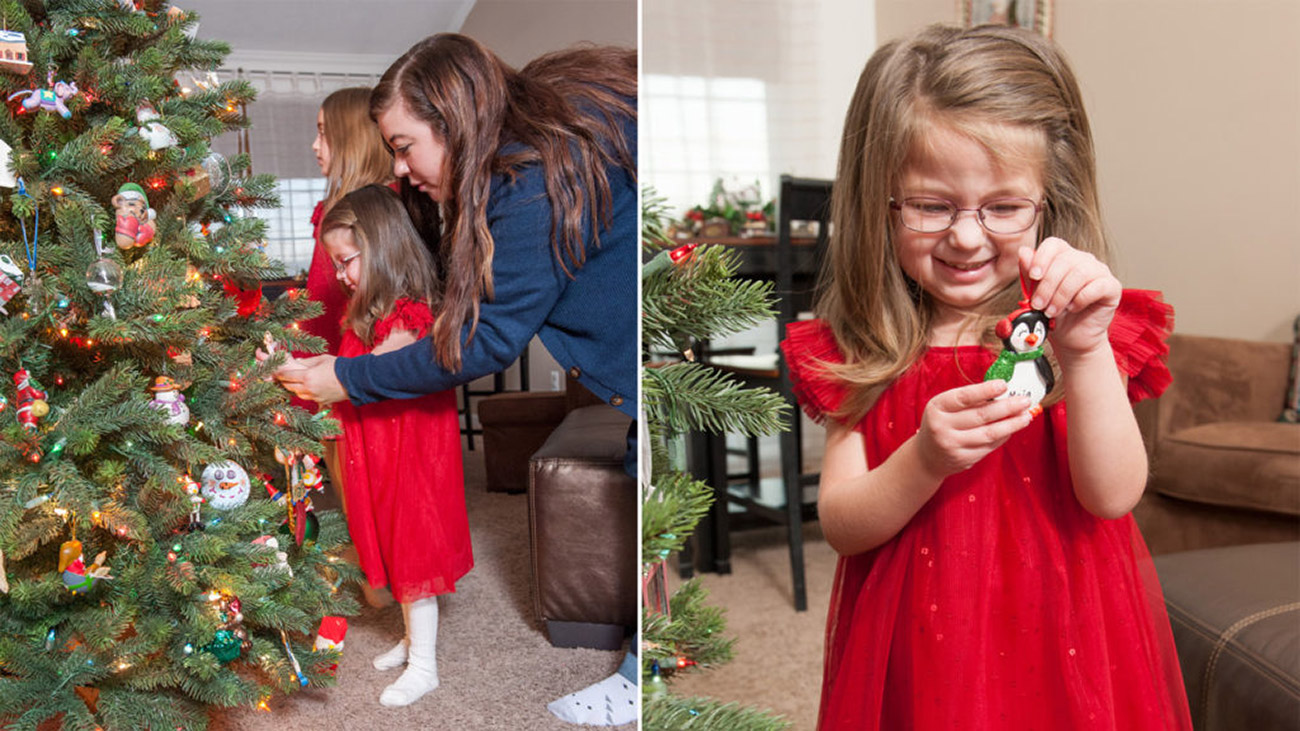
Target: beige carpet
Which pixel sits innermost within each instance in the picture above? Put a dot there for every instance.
(497, 669)
(778, 651)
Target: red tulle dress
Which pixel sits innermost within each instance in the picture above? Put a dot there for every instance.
(405, 481)
(1003, 604)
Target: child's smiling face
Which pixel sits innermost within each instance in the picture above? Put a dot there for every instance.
(966, 265)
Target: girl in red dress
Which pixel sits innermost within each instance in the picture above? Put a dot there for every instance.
(350, 154)
(990, 575)
(401, 458)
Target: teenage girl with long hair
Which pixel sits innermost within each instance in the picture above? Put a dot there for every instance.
(350, 154)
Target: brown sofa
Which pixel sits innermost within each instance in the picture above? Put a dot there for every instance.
(1222, 511)
(1224, 470)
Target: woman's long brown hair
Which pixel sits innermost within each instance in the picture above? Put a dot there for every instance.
(563, 108)
(357, 153)
(394, 262)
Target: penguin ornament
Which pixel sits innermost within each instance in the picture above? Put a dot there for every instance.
(1022, 362)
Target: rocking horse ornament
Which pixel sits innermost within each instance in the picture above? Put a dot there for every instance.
(1022, 362)
(52, 99)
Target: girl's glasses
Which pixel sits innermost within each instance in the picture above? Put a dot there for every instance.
(342, 264)
(935, 215)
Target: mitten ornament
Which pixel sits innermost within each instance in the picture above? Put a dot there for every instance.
(134, 217)
(1022, 362)
(331, 633)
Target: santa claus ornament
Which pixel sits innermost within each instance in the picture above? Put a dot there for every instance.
(1023, 363)
(29, 400)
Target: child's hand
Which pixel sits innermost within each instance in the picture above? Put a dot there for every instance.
(960, 426)
(1074, 288)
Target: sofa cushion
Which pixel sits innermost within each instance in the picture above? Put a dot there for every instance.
(1250, 465)
(1235, 614)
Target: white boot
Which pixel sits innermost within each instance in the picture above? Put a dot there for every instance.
(421, 675)
(396, 657)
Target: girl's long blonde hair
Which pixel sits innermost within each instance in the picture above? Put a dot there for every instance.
(394, 262)
(357, 153)
(978, 81)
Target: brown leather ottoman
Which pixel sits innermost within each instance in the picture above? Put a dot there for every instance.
(1235, 613)
(582, 510)
(514, 426)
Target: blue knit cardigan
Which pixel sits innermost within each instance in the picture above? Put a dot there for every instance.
(587, 322)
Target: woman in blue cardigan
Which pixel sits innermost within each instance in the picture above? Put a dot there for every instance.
(523, 185)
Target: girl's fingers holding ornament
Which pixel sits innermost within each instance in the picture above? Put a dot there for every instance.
(997, 411)
(1034, 263)
(965, 397)
(992, 436)
(1071, 278)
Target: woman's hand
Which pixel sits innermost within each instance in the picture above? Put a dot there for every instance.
(962, 425)
(1077, 290)
(312, 379)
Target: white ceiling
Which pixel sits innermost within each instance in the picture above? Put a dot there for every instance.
(323, 35)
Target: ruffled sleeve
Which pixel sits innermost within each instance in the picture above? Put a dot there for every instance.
(407, 315)
(809, 346)
(1138, 333)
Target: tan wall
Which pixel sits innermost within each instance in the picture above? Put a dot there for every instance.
(1195, 109)
(521, 30)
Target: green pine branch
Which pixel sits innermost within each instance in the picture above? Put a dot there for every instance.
(670, 510)
(694, 397)
(701, 299)
(669, 713)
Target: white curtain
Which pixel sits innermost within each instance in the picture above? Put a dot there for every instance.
(746, 89)
(283, 125)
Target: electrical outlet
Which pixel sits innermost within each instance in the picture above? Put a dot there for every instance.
(555, 380)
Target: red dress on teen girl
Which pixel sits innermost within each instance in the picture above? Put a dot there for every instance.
(405, 481)
(1003, 604)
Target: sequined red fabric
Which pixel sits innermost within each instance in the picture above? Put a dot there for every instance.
(1003, 604)
(404, 480)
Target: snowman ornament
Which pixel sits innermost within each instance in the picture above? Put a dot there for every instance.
(167, 398)
(225, 485)
(1022, 362)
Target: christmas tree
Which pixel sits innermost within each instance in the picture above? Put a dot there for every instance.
(139, 579)
(689, 293)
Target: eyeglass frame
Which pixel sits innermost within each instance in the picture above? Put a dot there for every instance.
(341, 265)
(897, 205)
